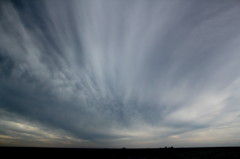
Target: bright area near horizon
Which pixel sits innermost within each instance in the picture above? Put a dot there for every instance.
(119, 73)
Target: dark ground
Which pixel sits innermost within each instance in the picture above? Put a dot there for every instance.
(161, 153)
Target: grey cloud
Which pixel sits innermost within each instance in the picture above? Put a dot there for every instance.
(108, 70)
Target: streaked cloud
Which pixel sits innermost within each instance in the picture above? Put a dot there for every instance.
(109, 73)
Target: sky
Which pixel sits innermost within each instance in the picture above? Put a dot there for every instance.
(119, 73)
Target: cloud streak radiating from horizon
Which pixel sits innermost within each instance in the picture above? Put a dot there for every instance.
(110, 73)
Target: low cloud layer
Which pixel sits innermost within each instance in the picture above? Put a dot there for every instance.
(109, 73)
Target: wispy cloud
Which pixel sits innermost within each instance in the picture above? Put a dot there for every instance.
(107, 72)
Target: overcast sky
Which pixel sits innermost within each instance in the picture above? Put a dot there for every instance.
(120, 73)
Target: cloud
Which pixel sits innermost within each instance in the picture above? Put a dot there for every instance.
(17, 131)
(107, 73)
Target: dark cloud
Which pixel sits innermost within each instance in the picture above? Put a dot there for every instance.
(107, 73)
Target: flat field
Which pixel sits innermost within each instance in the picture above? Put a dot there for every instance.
(161, 153)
